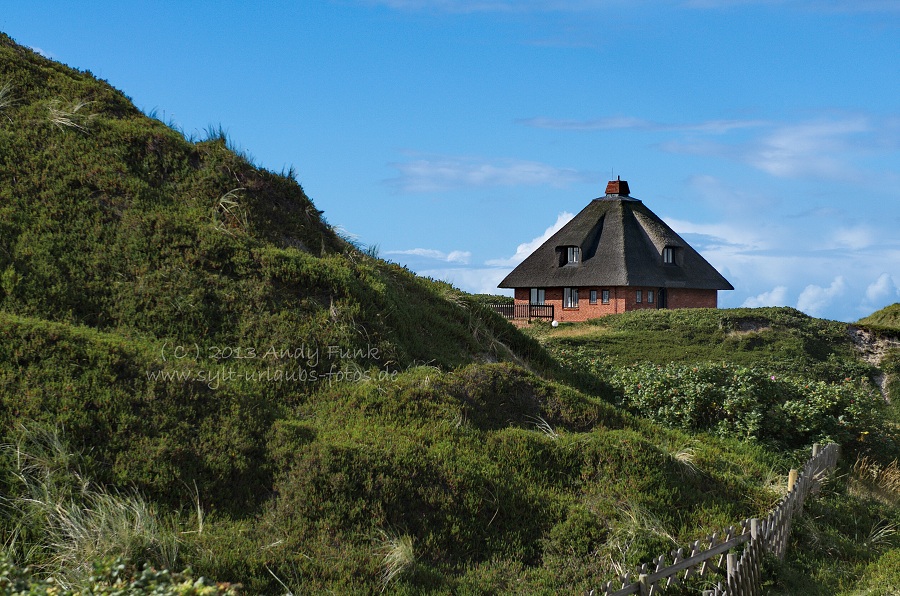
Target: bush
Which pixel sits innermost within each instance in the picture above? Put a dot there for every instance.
(735, 401)
(114, 577)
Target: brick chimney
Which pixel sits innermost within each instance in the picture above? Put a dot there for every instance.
(617, 187)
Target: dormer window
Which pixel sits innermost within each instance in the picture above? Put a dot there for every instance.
(574, 255)
(668, 255)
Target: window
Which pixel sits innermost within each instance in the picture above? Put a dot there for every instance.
(593, 296)
(574, 254)
(537, 295)
(605, 297)
(638, 296)
(669, 255)
(650, 296)
(570, 298)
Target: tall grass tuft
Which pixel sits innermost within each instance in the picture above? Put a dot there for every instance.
(69, 116)
(634, 524)
(869, 479)
(881, 536)
(228, 214)
(397, 556)
(544, 426)
(685, 454)
(64, 523)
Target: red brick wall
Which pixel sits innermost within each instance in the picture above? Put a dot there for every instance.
(621, 299)
(631, 296)
(585, 309)
(687, 298)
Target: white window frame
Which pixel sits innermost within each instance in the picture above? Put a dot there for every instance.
(570, 297)
(538, 296)
(574, 254)
(593, 297)
(649, 296)
(668, 255)
(638, 296)
(604, 296)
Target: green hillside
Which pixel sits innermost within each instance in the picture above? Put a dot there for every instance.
(888, 318)
(197, 372)
(770, 374)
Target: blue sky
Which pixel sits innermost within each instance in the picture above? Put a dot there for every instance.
(455, 135)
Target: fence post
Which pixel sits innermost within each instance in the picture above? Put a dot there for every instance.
(644, 584)
(816, 449)
(792, 479)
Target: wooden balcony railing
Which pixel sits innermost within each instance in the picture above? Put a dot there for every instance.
(524, 311)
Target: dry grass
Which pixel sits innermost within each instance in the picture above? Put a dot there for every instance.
(64, 522)
(397, 556)
(228, 214)
(869, 479)
(775, 482)
(633, 523)
(70, 116)
(684, 453)
(579, 331)
(544, 426)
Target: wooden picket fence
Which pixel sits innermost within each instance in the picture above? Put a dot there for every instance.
(718, 553)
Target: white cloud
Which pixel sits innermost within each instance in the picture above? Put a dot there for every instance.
(883, 289)
(475, 280)
(456, 256)
(811, 148)
(854, 238)
(814, 300)
(441, 173)
(526, 248)
(834, 145)
(459, 256)
(775, 297)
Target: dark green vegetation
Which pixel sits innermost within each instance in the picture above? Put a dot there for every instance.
(770, 374)
(196, 371)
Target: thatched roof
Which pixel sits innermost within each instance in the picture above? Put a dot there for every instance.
(622, 244)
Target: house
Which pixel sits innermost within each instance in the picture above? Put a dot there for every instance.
(614, 256)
